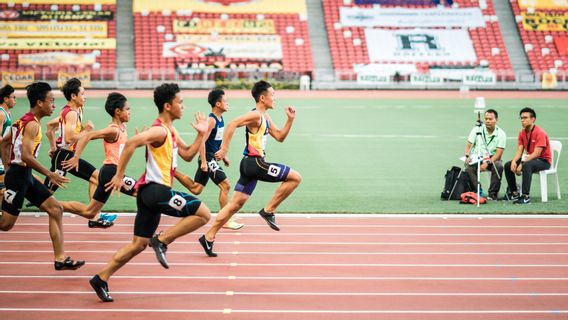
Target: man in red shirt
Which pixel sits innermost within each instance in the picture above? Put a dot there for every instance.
(533, 155)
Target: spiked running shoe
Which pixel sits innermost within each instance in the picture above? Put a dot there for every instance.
(233, 225)
(100, 223)
(160, 249)
(110, 217)
(207, 246)
(101, 288)
(270, 219)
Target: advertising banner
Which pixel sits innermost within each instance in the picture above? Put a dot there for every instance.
(238, 26)
(84, 76)
(545, 21)
(18, 29)
(80, 2)
(544, 4)
(263, 47)
(224, 6)
(419, 45)
(55, 58)
(17, 79)
(56, 44)
(479, 78)
(403, 17)
(422, 79)
(48, 15)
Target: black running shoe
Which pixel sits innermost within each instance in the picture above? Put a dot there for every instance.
(270, 219)
(524, 199)
(160, 248)
(207, 246)
(100, 223)
(101, 288)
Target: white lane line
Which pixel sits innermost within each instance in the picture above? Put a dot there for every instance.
(272, 278)
(347, 265)
(323, 243)
(273, 311)
(335, 234)
(224, 293)
(342, 226)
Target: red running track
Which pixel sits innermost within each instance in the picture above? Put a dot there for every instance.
(317, 267)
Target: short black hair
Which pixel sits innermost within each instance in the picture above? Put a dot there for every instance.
(259, 88)
(215, 96)
(5, 92)
(165, 93)
(72, 86)
(114, 101)
(529, 110)
(494, 112)
(37, 91)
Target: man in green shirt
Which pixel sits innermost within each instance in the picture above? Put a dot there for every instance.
(7, 102)
(491, 144)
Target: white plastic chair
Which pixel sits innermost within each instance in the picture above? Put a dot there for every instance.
(555, 148)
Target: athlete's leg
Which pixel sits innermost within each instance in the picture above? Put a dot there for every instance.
(283, 191)
(55, 212)
(235, 204)
(89, 211)
(122, 256)
(186, 225)
(7, 221)
(188, 183)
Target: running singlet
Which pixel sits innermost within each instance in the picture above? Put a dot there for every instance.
(213, 143)
(18, 136)
(114, 149)
(256, 142)
(61, 140)
(161, 162)
(7, 121)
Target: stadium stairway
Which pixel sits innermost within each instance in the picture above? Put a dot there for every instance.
(125, 67)
(511, 37)
(324, 76)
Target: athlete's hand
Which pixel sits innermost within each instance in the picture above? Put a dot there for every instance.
(114, 184)
(89, 126)
(200, 124)
(290, 112)
(204, 166)
(219, 155)
(57, 180)
(51, 152)
(227, 162)
(144, 128)
(71, 164)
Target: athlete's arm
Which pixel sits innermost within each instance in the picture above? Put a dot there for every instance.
(188, 152)
(52, 126)
(107, 133)
(5, 146)
(251, 118)
(281, 134)
(211, 124)
(29, 133)
(71, 136)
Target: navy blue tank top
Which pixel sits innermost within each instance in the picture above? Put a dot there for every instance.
(213, 143)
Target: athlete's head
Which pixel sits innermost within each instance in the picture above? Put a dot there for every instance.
(40, 95)
(167, 96)
(116, 104)
(262, 92)
(73, 91)
(217, 99)
(7, 96)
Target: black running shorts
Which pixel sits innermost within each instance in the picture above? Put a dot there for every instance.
(85, 169)
(154, 199)
(255, 168)
(214, 171)
(21, 184)
(106, 173)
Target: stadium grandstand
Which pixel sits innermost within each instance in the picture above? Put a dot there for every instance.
(338, 44)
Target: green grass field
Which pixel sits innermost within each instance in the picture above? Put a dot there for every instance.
(355, 155)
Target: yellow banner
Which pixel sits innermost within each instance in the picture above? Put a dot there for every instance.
(19, 29)
(85, 78)
(549, 81)
(55, 58)
(56, 44)
(17, 79)
(238, 26)
(81, 2)
(543, 4)
(545, 21)
(223, 6)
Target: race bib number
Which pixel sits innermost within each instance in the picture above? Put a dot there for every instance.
(9, 195)
(273, 170)
(177, 202)
(219, 135)
(120, 148)
(128, 183)
(60, 172)
(213, 165)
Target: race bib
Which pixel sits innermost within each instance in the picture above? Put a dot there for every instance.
(213, 165)
(9, 195)
(273, 170)
(128, 183)
(219, 135)
(177, 202)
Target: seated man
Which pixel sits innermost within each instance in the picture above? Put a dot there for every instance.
(492, 143)
(533, 141)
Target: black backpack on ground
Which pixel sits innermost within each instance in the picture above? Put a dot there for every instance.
(456, 183)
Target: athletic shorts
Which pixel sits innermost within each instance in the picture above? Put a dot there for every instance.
(255, 168)
(214, 171)
(21, 184)
(153, 199)
(85, 169)
(106, 173)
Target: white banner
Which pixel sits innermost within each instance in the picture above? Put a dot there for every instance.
(419, 45)
(371, 78)
(384, 68)
(426, 79)
(266, 47)
(401, 17)
(480, 78)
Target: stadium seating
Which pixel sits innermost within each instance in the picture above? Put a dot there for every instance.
(152, 29)
(348, 45)
(540, 46)
(105, 61)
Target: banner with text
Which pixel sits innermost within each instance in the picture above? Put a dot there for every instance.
(54, 29)
(238, 26)
(545, 21)
(543, 4)
(17, 79)
(401, 17)
(263, 47)
(56, 44)
(479, 78)
(64, 15)
(84, 76)
(55, 58)
(426, 79)
(223, 6)
(419, 45)
(561, 45)
(80, 2)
